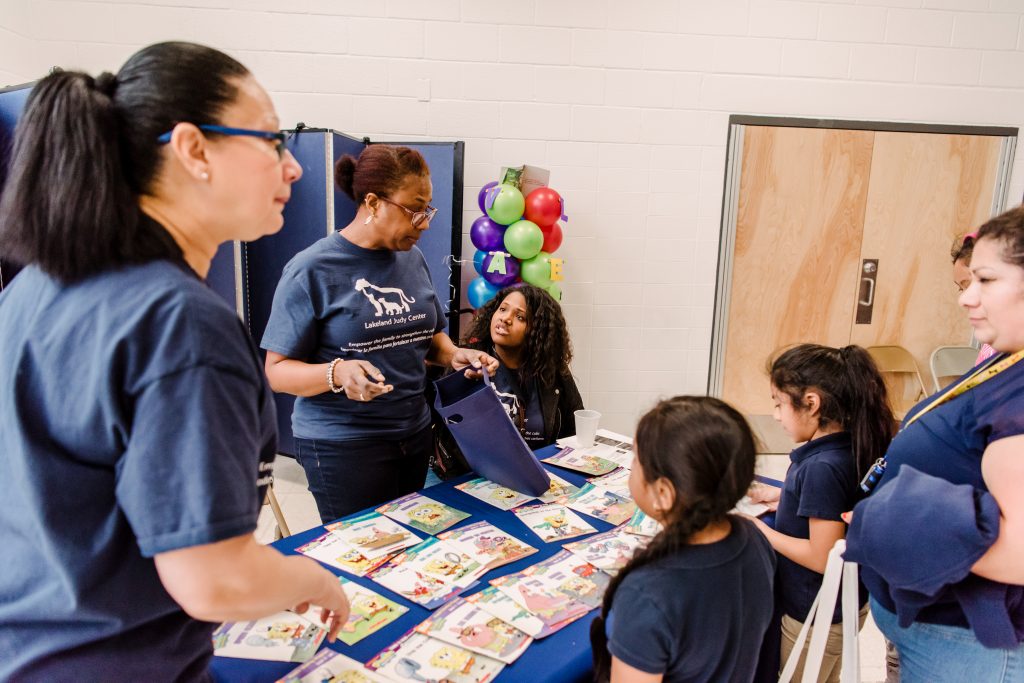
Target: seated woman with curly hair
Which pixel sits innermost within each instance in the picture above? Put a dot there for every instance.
(523, 327)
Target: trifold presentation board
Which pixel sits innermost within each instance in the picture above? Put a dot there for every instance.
(245, 274)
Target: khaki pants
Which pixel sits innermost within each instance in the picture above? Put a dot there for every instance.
(831, 663)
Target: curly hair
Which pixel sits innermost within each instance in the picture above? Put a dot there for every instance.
(547, 350)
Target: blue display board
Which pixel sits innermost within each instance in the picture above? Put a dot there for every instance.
(12, 103)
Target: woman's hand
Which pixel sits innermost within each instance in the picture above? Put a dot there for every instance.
(471, 358)
(360, 379)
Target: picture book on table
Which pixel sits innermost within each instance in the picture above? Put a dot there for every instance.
(542, 599)
(467, 625)
(369, 612)
(496, 603)
(572, 459)
(420, 512)
(487, 544)
(416, 657)
(559, 490)
(574, 577)
(330, 666)
(642, 525)
(493, 493)
(430, 573)
(333, 551)
(374, 535)
(616, 481)
(609, 551)
(602, 504)
(282, 637)
(553, 522)
(607, 445)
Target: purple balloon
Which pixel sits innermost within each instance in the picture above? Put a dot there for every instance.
(500, 280)
(482, 197)
(487, 235)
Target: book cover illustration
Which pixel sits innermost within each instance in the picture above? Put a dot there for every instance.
(281, 637)
(420, 512)
(559, 490)
(330, 666)
(429, 574)
(573, 577)
(467, 625)
(642, 525)
(369, 612)
(616, 481)
(572, 459)
(333, 551)
(415, 657)
(602, 504)
(607, 445)
(553, 522)
(374, 535)
(493, 493)
(609, 551)
(487, 544)
(541, 598)
(497, 604)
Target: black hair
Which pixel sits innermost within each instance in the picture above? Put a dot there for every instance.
(85, 148)
(1008, 229)
(706, 450)
(962, 249)
(380, 169)
(547, 350)
(852, 391)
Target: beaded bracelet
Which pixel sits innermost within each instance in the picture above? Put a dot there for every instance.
(330, 377)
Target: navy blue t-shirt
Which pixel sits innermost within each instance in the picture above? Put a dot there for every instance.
(699, 615)
(522, 405)
(134, 420)
(948, 442)
(339, 300)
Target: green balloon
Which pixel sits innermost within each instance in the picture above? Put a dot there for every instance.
(537, 270)
(555, 291)
(523, 239)
(508, 205)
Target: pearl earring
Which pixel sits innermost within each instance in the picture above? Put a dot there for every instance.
(204, 175)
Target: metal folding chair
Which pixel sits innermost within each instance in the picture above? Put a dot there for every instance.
(902, 377)
(949, 362)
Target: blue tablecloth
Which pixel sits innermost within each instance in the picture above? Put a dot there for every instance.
(563, 657)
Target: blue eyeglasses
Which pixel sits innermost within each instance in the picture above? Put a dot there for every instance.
(278, 138)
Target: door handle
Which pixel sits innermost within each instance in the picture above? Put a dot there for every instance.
(871, 292)
(866, 299)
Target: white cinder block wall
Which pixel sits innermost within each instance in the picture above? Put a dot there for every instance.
(626, 103)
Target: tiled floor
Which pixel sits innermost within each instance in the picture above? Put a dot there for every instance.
(300, 513)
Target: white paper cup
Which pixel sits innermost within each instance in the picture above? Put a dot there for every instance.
(586, 427)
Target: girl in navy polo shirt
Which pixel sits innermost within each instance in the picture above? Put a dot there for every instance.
(693, 605)
(835, 401)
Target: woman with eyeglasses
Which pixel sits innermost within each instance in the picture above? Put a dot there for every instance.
(137, 431)
(353, 324)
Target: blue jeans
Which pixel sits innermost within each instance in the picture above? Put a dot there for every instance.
(348, 476)
(933, 652)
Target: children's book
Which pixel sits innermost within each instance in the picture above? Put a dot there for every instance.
(572, 459)
(429, 574)
(494, 494)
(574, 577)
(553, 522)
(642, 525)
(420, 512)
(607, 445)
(487, 544)
(282, 637)
(374, 535)
(616, 481)
(559, 490)
(609, 551)
(604, 437)
(542, 599)
(330, 666)
(333, 551)
(496, 603)
(416, 657)
(748, 507)
(467, 625)
(369, 612)
(602, 504)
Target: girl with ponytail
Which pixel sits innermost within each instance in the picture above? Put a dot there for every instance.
(834, 400)
(695, 603)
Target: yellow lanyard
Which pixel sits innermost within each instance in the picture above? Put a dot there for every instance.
(982, 374)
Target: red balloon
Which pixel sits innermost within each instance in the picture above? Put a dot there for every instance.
(543, 206)
(552, 238)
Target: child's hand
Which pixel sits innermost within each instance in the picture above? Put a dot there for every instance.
(765, 494)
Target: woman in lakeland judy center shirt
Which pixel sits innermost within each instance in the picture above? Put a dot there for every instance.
(354, 319)
(941, 539)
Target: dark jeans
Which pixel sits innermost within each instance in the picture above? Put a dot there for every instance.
(348, 476)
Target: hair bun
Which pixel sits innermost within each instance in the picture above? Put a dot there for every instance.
(106, 83)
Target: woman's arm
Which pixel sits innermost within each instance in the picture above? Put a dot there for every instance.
(811, 553)
(1002, 466)
(624, 673)
(239, 579)
(360, 379)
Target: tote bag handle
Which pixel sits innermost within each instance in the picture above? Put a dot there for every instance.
(820, 617)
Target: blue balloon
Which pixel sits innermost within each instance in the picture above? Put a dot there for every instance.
(478, 261)
(480, 291)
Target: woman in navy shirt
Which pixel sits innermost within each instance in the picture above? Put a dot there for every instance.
(941, 539)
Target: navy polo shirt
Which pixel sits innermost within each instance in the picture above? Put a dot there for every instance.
(821, 483)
